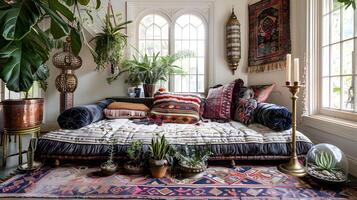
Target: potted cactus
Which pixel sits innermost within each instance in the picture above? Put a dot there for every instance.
(109, 167)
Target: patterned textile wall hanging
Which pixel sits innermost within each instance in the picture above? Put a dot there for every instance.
(269, 35)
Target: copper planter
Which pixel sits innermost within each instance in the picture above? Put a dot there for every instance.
(22, 114)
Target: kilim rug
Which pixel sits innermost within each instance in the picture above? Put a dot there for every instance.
(241, 182)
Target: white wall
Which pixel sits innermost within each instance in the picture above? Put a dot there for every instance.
(92, 85)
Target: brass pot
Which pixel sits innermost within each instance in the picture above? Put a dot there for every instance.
(149, 90)
(158, 168)
(23, 113)
(131, 169)
(188, 171)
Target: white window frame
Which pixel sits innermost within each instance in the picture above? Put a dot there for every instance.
(171, 10)
(5, 94)
(314, 59)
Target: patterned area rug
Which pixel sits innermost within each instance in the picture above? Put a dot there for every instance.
(244, 182)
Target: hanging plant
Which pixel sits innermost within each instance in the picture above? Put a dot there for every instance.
(110, 43)
(348, 3)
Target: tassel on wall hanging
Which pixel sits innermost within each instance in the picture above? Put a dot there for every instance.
(233, 42)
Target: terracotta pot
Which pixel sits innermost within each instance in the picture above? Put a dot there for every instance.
(130, 169)
(23, 113)
(158, 168)
(149, 90)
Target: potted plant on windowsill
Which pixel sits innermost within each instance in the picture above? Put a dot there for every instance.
(135, 165)
(25, 48)
(160, 151)
(192, 161)
(150, 70)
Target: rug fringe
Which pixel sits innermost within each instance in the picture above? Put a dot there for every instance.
(276, 66)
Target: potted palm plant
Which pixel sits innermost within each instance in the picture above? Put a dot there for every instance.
(25, 48)
(135, 153)
(192, 161)
(160, 151)
(150, 70)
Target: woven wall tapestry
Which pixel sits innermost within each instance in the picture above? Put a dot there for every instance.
(269, 35)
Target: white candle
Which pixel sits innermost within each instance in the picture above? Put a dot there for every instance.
(288, 67)
(296, 69)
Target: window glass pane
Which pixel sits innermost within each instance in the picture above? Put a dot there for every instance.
(335, 59)
(325, 61)
(348, 22)
(326, 92)
(347, 57)
(335, 26)
(326, 30)
(189, 36)
(335, 92)
(335, 4)
(348, 93)
(201, 83)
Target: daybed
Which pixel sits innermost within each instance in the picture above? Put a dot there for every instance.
(227, 141)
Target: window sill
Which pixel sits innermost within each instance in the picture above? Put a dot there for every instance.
(332, 125)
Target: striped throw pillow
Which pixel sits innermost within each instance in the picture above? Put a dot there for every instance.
(173, 108)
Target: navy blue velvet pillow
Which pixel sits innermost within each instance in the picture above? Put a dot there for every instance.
(278, 118)
(80, 116)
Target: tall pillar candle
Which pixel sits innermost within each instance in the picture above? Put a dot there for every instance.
(296, 69)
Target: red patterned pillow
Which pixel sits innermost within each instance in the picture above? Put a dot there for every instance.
(218, 102)
(171, 108)
(245, 111)
(262, 92)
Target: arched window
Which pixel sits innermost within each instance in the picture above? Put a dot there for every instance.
(190, 36)
(154, 35)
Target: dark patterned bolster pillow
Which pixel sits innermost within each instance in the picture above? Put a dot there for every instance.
(277, 118)
(80, 116)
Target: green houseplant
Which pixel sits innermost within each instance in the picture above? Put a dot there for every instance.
(193, 161)
(110, 44)
(135, 153)
(150, 70)
(109, 167)
(25, 47)
(160, 151)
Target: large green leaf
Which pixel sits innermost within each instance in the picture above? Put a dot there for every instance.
(24, 61)
(19, 19)
(42, 73)
(83, 2)
(76, 41)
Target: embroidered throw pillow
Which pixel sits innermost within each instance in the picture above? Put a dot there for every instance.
(245, 111)
(218, 102)
(172, 108)
(262, 92)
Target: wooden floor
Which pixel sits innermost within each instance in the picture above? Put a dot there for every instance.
(12, 162)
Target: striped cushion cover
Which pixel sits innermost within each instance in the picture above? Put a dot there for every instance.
(172, 108)
(124, 114)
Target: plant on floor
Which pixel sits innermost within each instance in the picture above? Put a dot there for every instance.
(109, 167)
(160, 156)
(151, 69)
(348, 3)
(110, 44)
(135, 153)
(193, 160)
(25, 47)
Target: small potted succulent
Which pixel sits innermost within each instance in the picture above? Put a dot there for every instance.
(192, 161)
(160, 151)
(109, 167)
(136, 163)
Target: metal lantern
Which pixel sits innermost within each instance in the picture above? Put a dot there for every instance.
(66, 82)
(233, 42)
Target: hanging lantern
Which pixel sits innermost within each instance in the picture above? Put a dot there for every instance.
(66, 82)
(233, 42)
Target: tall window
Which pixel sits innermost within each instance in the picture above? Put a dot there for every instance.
(338, 71)
(189, 35)
(34, 92)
